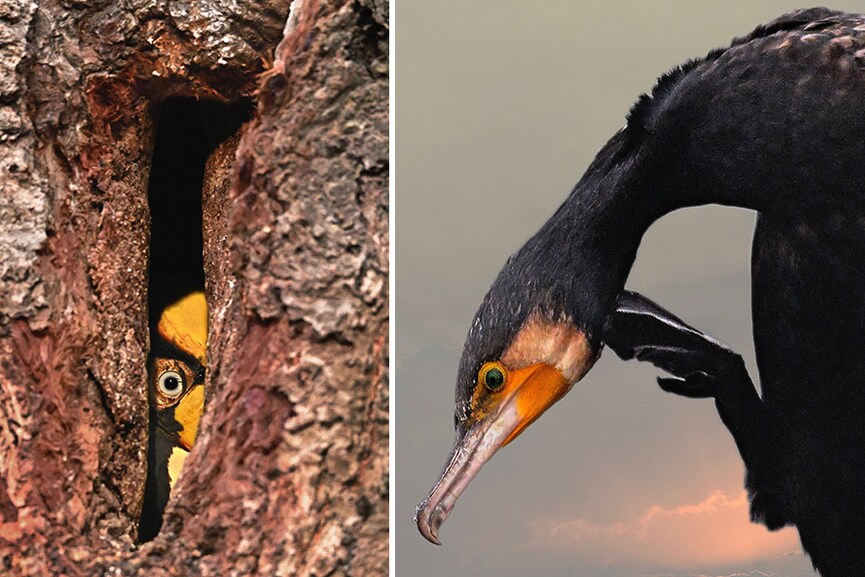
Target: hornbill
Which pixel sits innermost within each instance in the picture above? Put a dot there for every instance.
(176, 398)
(774, 123)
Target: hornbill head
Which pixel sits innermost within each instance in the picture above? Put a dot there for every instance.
(176, 378)
(176, 397)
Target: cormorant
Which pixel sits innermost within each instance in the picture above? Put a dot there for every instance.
(176, 397)
(774, 123)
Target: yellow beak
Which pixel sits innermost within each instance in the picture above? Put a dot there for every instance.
(188, 414)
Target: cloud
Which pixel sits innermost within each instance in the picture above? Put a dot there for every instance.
(754, 573)
(712, 533)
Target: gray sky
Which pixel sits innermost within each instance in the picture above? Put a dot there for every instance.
(500, 108)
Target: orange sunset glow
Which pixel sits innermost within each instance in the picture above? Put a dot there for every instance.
(712, 532)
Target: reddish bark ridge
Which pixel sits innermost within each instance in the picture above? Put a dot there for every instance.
(289, 473)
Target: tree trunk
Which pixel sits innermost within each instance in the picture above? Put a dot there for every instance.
(289, 472)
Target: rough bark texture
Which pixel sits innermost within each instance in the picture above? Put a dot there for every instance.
(289, 474)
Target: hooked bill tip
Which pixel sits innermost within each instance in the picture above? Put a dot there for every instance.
(428, 522)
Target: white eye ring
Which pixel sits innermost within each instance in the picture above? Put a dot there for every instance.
(170, 384)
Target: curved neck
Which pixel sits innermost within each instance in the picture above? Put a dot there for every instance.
(582, 255)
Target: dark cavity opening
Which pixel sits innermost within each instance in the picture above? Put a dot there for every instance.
(187, 132)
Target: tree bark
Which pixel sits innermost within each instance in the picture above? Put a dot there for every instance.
(289, 475)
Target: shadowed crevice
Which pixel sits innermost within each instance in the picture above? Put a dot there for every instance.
(187, 133)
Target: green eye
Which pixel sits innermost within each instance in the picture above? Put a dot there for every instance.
(493, 376)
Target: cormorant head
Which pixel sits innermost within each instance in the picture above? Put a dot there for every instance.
(538, 330)
(532, 338)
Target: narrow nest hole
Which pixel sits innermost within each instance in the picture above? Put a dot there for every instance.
(187, 132)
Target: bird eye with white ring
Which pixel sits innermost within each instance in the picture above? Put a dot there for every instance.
(170, 384)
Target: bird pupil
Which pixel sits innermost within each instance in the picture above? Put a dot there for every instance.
(171, 383)
(494, 378)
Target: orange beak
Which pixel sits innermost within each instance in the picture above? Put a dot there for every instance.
(495, 423)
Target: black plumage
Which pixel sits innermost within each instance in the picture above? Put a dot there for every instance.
(157, 489)
(774, 123)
